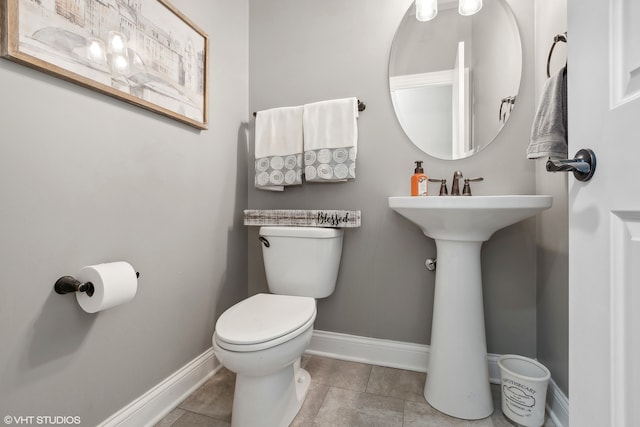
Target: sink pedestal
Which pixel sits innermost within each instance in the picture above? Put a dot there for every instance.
(458, 376)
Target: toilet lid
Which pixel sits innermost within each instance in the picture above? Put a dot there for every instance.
(264, 317)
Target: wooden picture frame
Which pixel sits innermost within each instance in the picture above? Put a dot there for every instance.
(144, 52)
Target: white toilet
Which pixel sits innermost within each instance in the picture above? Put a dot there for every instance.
(262, 338)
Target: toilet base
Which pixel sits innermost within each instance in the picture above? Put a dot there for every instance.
(272, 400)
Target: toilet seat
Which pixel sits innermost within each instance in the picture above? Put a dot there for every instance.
(263, 321)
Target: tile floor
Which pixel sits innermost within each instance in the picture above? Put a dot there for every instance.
(342, 393)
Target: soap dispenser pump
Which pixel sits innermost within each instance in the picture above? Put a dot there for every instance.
(419, 181)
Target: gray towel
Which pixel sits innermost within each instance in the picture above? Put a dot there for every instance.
(549, 130)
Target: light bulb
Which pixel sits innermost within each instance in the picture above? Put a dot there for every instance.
(119, 65)
(117, 42)
(95, 50)
(469, 7)
(426, 10)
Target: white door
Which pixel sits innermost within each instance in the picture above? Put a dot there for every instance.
(604, 214)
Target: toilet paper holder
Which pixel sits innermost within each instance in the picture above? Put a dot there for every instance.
(69, 284)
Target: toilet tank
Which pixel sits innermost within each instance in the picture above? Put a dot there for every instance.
(301, 261)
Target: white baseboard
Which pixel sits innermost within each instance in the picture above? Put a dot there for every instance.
(414, 357)
(152, 406)
(392, 354)
(557, 405)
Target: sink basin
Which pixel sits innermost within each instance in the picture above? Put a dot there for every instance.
(458, 379)
(473, 218)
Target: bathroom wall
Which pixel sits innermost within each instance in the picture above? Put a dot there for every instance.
(86, 179)
(552, 234)
(303, 51)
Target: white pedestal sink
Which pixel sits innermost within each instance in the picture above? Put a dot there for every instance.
(458, 379)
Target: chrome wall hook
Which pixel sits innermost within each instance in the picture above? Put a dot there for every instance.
(583, 165)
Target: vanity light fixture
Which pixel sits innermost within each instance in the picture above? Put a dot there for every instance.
(426, 10)
(118, 53)
(469, 7)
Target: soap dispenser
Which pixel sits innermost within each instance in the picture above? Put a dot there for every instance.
(419, 181)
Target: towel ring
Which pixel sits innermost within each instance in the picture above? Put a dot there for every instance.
(557, 39)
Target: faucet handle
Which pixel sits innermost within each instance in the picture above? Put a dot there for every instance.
(466, 190)
(443, 186)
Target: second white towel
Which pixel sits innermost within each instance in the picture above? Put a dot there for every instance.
(330, 140)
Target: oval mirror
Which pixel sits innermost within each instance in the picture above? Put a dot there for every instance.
(454, 80)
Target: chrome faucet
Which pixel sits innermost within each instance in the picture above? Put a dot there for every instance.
(455, 187)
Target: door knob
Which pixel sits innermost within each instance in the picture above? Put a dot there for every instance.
(583, 165)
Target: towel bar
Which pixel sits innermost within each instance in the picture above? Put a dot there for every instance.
(361, 107)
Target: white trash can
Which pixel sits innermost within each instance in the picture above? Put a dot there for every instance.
(524, 389)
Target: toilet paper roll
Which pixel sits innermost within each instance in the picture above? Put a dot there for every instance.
(114, 283)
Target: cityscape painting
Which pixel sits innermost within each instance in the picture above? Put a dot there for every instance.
(144, 52)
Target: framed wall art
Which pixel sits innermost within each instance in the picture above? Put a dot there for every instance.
(144, 52)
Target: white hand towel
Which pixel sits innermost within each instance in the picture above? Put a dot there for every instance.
(330, 140)
(549, 130)
(278, 148)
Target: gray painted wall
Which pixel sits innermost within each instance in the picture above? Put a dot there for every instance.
(553, 231)
(304, 51)
(86, 179)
